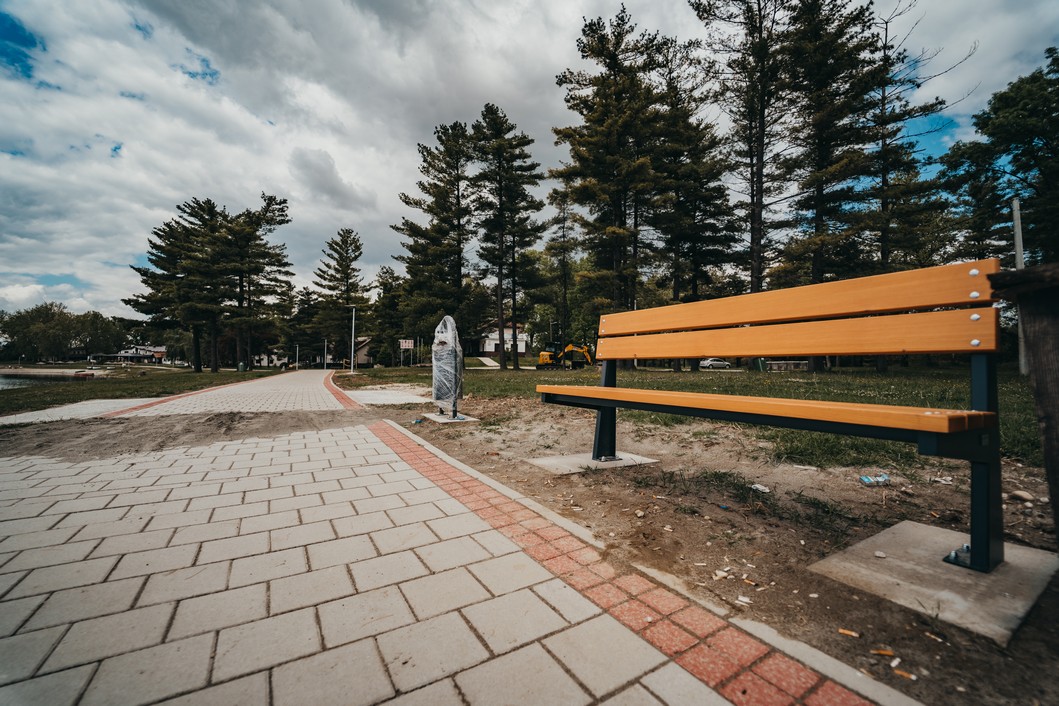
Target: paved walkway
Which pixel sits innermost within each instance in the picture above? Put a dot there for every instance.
(352, 565)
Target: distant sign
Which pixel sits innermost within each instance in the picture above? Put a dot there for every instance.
(406, 343)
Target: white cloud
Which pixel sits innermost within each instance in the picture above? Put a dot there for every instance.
(321, 103)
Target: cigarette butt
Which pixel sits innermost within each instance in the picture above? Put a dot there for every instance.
(883, 653)
(849, 633)
(932, 636)
(906, 675)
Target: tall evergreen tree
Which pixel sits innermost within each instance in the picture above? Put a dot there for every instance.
(436, 258)
(746, 36)
(610, 172)
(505, 211)
(338, 276)
(829, 51)
(979, 202)
(561, 250)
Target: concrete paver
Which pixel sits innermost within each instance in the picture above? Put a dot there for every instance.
(350, 565)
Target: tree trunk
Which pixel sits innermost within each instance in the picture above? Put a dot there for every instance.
(196, 348)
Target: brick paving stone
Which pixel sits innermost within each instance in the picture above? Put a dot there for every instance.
(510, 573)
(302, 535)
(738, 646)
(785, 673)
(583, 578)
(635, 695)
(361, 524)
(185, 583)
(441, 593)
(20, 655)
(440, 693)
(430, 650)
(130, 525)
(167, 508)
(352, 675)
(50, 556)
(345, 495)
(320, 513)
(268, 522)
(340, 551)
(206, 533)
(91, 517)
(264, 567)
(216, 611)
(151, 674)
(363, 615)
(606, 595)
(698, 621)
(386, 570)
(602, 654)
(98, 638)
(303, 590)
(709, 665)
(216, 501)
(45, 538)
(528, 676)
(496, 543)
(154, 561)
(831, 694)
(15, 612)
(403, 537)
(747, 689)
(451, 506)
(634, 615)
(561, 565)
(79, 505)
(543, 551)
(85, 602)
(676, 686)
(58, 689)
(248, 691)
(143, 497)
(451, 553)
(55, 578)
(513, 620)
(129, 543)
(669, 638)
(233, 548)
(665, 602)
(633, 584)
(568, 602)
(369, 505)
(256, 496)
(183, 519)
(458, 525)
(265, 643)
(415, 513)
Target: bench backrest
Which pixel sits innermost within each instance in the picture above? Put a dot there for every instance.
(946, 309)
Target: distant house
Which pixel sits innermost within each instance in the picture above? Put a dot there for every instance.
(491, 342)
(136, 354)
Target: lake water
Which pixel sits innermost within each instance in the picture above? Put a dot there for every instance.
(9, 383)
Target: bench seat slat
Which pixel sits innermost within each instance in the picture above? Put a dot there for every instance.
(910, 418)
(930, 332)
(928, 288)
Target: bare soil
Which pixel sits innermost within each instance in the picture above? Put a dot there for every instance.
(667, 517)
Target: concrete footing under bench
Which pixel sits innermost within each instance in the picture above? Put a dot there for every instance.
(913, 575)
(579, 463)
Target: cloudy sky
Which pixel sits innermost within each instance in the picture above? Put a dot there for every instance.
(114, 111)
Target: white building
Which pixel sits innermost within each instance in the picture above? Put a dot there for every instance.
(491, 342)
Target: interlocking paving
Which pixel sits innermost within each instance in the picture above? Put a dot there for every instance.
(351, 565)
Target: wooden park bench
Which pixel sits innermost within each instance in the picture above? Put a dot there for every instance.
(945, 309)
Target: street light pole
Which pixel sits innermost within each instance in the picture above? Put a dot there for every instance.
(325, 354)
(297, 356)
(353, 342)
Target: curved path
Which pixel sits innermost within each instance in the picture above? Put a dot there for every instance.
(353, 565)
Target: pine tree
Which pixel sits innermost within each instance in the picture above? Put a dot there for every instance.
(338, 276)
(828, 52)
(979, 202)
(436, 258)
(504, 209)
(747, 35)
(610, 172)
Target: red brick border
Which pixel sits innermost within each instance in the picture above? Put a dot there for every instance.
(742, 668)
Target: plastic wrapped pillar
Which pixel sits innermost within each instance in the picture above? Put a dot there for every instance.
(447, 359)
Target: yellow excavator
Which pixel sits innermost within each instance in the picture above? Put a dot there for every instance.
(555, 357)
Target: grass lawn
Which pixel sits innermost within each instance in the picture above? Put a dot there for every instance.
(943, 386)
(127, 383)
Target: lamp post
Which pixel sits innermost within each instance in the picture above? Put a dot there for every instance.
(325, 354)
(297, 356)
(353, 341)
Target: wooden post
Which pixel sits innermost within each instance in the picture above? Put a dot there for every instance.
(1036, 290)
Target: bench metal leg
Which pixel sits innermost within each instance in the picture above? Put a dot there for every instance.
(604, 446)
(986, 550)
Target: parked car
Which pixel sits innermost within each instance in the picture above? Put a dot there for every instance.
(711, 363)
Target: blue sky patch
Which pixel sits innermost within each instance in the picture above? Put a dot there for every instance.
(54, 280)
(132, 96)
(203, 72)
(16, 43)
(143, 27)
(115, 151)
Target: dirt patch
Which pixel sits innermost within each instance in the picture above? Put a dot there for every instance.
(692, 515)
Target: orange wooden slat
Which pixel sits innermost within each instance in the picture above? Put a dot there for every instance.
(887, 416)
(927, 288)
(954, 331)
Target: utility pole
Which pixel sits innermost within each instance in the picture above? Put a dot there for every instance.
(353, 342)
(325, 354)
(297, 356)
(1020, 264)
